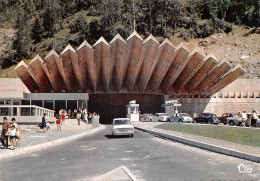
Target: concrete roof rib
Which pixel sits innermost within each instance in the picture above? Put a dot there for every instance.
(52, 52)
(69, 47)
(166, 41)
(101, 39)
(151, 37)
(84, 43)
(22, 63)
(117, 37)
(134, 34)
(37, 57)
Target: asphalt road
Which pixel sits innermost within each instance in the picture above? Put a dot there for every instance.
(147, 157)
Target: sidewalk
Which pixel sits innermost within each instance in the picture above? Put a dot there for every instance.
(34, 139)
(219, 146)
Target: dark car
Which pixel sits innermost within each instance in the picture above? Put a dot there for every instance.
(223, 118)
(209, 118)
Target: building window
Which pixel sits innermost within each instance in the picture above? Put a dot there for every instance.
(82, 104)
(25, 111)
(15, 111)
(16, 102)
(2, 102)
(36, 103)
(25, 102)
(8, 102)
(48, 104)
(4, 111)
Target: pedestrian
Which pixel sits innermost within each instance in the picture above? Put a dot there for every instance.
(14, 123)
(78, 117)
(4, 134)
(253, 119)
(18, 137)
(12, 134)
(243, 115)
(44, 119)
(85, 115)
(58, 122)
(63, 117)
(89, 117)
(69, 113)
(48, 126)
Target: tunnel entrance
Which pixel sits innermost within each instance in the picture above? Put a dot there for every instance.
(111, 106)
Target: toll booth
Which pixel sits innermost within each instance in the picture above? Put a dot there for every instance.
(171, 107)
(132, 110)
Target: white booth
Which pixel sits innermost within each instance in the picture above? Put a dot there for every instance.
(132, 110)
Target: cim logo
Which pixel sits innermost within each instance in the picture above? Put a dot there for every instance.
(245, 168)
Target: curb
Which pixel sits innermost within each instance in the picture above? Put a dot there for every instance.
(205, 146)
(48, 144)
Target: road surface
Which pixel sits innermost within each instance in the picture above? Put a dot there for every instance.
(147, 157)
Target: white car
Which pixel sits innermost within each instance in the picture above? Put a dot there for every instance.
(180, 117)
(122, 126)
(158, 117)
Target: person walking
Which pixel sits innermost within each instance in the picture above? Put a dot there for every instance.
(63, 118)
(14, 123)
(253, 119)
(58, 122)
(243, 115)
(78, 117)
(44, 119)
(4, 134)
(18, 137)
(12, 134)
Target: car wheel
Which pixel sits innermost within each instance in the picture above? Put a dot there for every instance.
(231, 123)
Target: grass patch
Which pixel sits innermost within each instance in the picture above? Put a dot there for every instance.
(250, 137)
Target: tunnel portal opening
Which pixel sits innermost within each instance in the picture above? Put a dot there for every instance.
(110, 106)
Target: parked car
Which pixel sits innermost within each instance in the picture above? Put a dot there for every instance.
(209, 118)
(122, 126)
(146, 117)
(223, 118)
(158, 117)
(180, 117)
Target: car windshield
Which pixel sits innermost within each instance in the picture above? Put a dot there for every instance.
(121, 121)
(185, 114)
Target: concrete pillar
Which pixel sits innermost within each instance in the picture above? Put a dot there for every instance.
(118, 50)
(214, 77)
(179, 62)
(70, 65)
(194, 63)
(165, 51)
(86, 64)
(41, 74)
(133, 50)
(236, 72)
(54, 73)
(147, 62)
(102, 64)
(209, 64)
(27, 77)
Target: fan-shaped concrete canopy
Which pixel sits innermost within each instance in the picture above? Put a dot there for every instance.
(131, 66)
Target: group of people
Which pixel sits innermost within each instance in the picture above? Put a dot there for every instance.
(10, 133)
(80, 114)
(245, 117)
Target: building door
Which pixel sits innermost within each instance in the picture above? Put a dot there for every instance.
(59, 104)
(71, 106)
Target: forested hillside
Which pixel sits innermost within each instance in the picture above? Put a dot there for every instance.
(29, 27)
